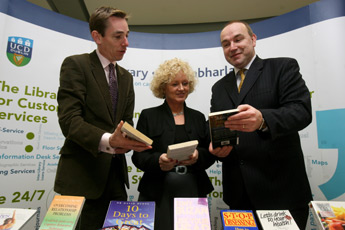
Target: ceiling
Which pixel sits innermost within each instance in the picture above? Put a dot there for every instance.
(178, 12)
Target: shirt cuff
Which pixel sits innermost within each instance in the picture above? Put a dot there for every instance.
(104, 145)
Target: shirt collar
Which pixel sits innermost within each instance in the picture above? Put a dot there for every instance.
(246, 67)
(104, 61)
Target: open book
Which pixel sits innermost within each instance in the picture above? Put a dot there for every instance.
(135, 134)
(182, 151)
(221, 136)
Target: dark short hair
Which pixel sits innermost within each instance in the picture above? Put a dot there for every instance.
(98, 19)
(249, 29)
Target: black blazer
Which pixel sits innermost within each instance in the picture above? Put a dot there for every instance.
(85, 114)
(270, 163)
(158, 124)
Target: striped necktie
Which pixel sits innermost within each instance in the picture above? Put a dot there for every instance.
(242, 79)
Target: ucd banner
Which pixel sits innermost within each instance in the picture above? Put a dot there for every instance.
(34, 42)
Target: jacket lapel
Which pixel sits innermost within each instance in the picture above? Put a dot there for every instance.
(252, 75)
(99, 75)
(231, 86)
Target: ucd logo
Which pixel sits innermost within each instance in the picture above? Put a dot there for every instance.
(19, 50)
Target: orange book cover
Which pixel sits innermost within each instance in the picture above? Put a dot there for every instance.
(238, 220)
(63, 212)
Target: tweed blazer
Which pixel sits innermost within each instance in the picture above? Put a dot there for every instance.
(85, 114)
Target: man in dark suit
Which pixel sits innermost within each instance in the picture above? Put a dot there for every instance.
(92, 162)
(266, 171)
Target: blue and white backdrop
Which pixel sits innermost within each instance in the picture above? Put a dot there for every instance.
(34, 41)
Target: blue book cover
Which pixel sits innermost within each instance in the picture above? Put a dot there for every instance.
(130, 215)
(238, 220)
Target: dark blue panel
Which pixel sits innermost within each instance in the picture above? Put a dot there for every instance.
(316, 12)
(37, 15)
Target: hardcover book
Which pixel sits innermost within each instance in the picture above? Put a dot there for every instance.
(63, 213)
(182, 151)
(328, 214)
(15, 218)
(191, 214)
(238, 220)
(221, 136)
(135, 134)
(130, 215)
(276, 219)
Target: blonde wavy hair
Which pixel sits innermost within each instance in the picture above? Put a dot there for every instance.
(167, 71)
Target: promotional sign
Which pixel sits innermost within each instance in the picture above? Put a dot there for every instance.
(35, 41)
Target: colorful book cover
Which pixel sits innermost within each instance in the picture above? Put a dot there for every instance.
(329, 214)
(63, 213)
(130, 215)
(191, 214)
(15, 218)
(238, 220)
(276, 219)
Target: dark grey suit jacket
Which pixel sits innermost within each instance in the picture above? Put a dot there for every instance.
(269, 165)
(85, 114)
(158, 124)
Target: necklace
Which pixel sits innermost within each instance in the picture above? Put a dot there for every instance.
(176, 114)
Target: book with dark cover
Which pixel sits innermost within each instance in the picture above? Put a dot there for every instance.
(276, 219)
(221, 136)
(135, 134)
(182, 151)
(328, 214)
(238, 220)
(130, 215)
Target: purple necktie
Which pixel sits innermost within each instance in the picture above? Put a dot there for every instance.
(113, 86)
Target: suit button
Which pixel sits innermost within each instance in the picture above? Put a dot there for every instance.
(241, 162)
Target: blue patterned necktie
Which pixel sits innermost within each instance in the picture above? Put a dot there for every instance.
(113, 86)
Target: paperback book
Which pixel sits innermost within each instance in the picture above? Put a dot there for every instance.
(63, 213)
(276, 219)
(135, 134)
(221, 136)
(238, 220)
(328, 214)
(191, 214)
(130, 215)
(182, 151)
(15, 218)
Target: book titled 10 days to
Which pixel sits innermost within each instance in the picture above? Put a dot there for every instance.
(130, 215)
